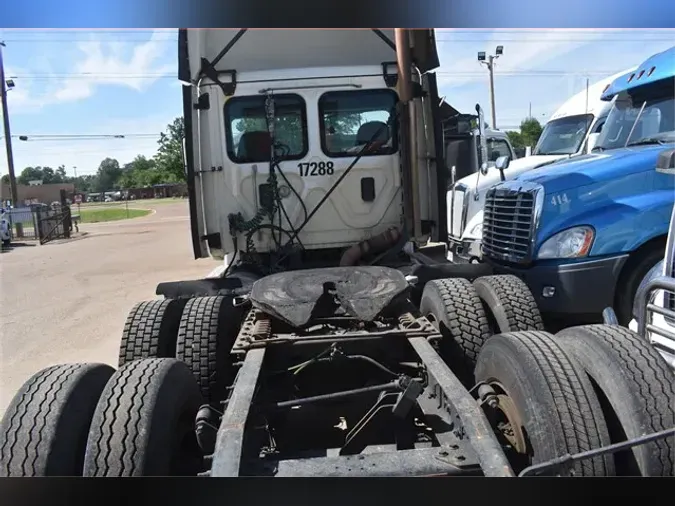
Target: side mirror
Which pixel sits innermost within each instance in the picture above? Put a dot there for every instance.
(483, 158)
(502, 163)
(666, 162)
(591, 142)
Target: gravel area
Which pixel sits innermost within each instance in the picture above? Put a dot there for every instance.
(67, 302)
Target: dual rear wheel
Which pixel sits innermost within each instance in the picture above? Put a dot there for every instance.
(199, 332)
(553, 395)
(576, 391)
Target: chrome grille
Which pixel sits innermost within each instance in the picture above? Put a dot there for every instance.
(509, 222)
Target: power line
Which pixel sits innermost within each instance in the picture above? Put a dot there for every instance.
(116, 41)
(90, 31)
(517, 73)
(536, 73)
(566, 39)
(48, 137)
(453, 40)
(56, 154)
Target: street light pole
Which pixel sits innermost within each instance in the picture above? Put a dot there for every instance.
(490, 64)
(8, 140)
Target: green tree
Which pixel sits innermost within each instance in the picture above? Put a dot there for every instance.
(86, 183)
(516, 139)
(140, 172)
(169, 157)
(5, 179)
(45, 174)
(108, 175)
(30, 174)
(530, 131)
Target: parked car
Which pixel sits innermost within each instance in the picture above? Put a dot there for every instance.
(5, 229)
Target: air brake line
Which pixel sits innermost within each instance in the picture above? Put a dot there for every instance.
(237, 222)
(336, 184)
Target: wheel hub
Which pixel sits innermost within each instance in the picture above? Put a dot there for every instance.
(511, 427)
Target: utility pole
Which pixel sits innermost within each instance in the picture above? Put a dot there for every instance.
(4, 86)
(489, 62)
(529, 116)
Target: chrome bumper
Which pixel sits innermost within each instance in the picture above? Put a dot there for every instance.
(654, 321)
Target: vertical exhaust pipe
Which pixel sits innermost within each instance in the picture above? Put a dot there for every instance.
(404, 63)
(407, 117)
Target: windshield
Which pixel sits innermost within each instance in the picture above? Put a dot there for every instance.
(563, 136)
(639, 120)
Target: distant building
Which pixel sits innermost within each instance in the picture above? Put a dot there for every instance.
(37, 194)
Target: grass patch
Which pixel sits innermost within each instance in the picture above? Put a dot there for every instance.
(113, 214)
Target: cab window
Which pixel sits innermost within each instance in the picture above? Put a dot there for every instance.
(248, 138)
(351, 120)
(497, 148)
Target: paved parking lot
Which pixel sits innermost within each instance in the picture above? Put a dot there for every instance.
(67, 302)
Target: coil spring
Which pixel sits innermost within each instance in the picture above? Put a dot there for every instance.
(237, 222)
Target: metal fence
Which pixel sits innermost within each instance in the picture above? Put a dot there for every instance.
(54, 223)
(40, 223)
(23, 221)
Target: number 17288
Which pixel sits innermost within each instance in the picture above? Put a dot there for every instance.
(316, 169)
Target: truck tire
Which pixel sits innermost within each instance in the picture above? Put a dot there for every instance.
(207, 331)
(509, 302)
(637, 390)
(632, 274)
(150, 330)
(44, 430)
(458, 313)
(545, 392)
(144, 422)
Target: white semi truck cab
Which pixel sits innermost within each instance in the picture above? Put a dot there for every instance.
(327, 171)
(313, 164)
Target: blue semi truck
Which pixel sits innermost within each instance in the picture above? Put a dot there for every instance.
(584, 232)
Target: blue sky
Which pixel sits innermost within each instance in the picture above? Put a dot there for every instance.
(123, 82)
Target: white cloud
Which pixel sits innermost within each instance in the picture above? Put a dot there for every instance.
(100, 62)
(519, 80)
(532, 49)
(86, 155)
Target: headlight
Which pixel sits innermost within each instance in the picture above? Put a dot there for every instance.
(571, 243)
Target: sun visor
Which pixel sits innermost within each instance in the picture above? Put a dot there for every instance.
(259, 50)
